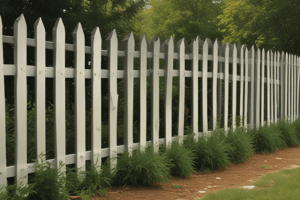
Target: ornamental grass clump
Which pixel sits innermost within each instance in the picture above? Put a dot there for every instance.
(241, 147)
(267, 138)
(180, 157)
(288, 132)
(296, 124)
(141, 167)
(211, 152)
(94, 180)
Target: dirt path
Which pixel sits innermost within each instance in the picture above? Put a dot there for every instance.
(234, 176)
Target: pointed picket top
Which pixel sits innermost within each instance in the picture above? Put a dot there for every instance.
(144, 40)
(155, 39)
(20, 23)
(208, 41)
(96, 35)
(59, 26)
(180, 44)
(196, 40)
(170, 44)
(78, 31)
(129, 37)
(39, 25)
(216, 43)
(112, 35)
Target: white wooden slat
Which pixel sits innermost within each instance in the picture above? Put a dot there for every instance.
(143, 91)
(298, 90)
(20, 60)
(278, 85)
(286, 86)
(257, 89)
(195, 69)
(262, 109)
(168, 83)
(129, 44)
(294, 86)
(272, 85)
(226, 92)
(275, 87)
(181, 82)
(215, 78)
(268, 88)
(204, 85)
(79, 58)
(3, 176)
(96, 46)
(246, 87)
(221, 70)
(282, 86)
(252, 75)
(40, 93)
(242, 84)
(155, 45)
(59, 95)
(234, 85)
(112, 46)
(289, 86)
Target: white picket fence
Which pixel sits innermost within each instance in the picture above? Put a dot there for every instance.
(282, 89)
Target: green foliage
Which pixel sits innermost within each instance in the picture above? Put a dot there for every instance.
(288, 132)
(267, 138)
(180, 157)
(181, 19)
(142, 167)
(268, 24)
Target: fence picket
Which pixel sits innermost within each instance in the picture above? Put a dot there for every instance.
(155, 44)
(181, 82)
(96, 46)
(204, 85)
(246, 87)
(278, 84)
(112, 46)
(214, 88)
(59, 95)
(79, 52)
(143, 91)
(262, 109)
(294, 87)
(252, 83)
(242, 84)
(40, 98)
(298, 90)
(268, 88)
(20, 60)
(2, 116)
(257, 89)
(272, 87)
(226, 92)
(234, 74)
(195, 71)
(129, 44)
(168, 81)
(275, 86)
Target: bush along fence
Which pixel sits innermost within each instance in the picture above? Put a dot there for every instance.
(268, 91)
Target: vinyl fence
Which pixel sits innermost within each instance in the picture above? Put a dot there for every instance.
(281, 77)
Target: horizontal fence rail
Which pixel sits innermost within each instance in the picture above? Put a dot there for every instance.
(281, 79)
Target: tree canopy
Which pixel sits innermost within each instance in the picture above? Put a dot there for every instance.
(181, 19)
(269, 24)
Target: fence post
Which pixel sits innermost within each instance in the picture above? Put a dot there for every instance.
(20, 60)
(129, 45)
(195, 76)
(3, 180)
(143, 91)
(96, 46)
(168, 81)
(112, 47)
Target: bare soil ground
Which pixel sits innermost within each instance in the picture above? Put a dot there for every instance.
(234, 176)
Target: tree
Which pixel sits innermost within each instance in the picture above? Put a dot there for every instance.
(181, 19)
(269, 24)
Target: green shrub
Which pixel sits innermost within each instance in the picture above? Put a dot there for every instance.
(181, 157)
